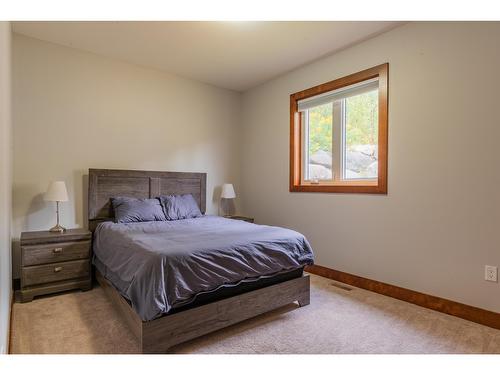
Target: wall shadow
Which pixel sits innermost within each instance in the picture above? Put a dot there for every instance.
(216, 196)
(37, 204)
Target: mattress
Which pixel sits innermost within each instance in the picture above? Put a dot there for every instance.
(162, 266)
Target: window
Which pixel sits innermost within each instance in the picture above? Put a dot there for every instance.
(338, 140)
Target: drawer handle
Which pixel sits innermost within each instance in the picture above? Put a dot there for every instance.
(57, 250)
(57, 269)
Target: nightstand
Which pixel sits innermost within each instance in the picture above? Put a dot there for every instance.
(236, 217)
(55, 262)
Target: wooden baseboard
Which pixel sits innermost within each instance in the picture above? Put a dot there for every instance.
(474, 314)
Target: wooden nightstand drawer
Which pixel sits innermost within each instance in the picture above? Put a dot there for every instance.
(55, 252)
(55, 272)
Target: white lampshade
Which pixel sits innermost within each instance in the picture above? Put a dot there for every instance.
(56, 192)
(228, 191)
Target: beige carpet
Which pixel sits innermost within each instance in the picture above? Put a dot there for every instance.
(336, 321)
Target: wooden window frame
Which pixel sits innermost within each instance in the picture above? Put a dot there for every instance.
(349, 186)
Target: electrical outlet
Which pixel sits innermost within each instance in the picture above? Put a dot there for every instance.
(490, 273)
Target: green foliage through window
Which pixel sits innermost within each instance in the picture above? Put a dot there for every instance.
(361, 123)
(362, 119)
(320, 128)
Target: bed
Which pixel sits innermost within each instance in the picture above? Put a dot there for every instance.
(177, 280)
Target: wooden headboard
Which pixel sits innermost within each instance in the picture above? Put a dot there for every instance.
(107, 183)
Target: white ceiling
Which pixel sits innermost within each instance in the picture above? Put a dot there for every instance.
(233, 55)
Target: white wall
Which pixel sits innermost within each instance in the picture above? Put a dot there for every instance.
(439, 224)
(5, 185)
(74, 110)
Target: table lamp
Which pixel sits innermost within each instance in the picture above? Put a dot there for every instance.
(57, 193)
(227, 192)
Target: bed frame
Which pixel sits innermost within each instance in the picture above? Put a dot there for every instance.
(159, 335)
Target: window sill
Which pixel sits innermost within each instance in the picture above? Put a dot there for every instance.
(354, 187)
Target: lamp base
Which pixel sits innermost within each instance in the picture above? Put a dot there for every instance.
(57, 229)
(226, 207)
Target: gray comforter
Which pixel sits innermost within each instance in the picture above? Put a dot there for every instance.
(161, 265)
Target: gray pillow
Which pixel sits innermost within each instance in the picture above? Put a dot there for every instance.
(130, 210)
(178, 207)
